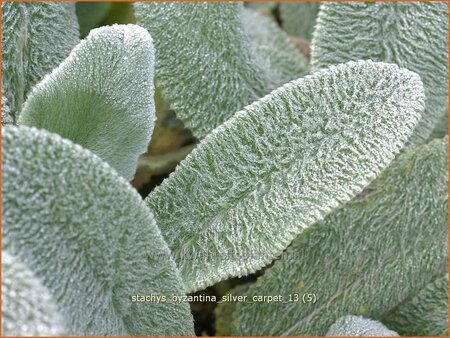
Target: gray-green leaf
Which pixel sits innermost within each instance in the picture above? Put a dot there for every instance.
(410, 34)
(205, 62)
(358, 326)
(28, 309)
(299, 18)
(88, 236)
(441, 128)
(365, 258)
(282, 164)
(101, 96)
(278, 56)
(36, 37)
(425, 313)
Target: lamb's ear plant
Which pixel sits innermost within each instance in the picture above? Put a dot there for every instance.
(423, 314)
(393, 238)
(206, 64)
(357, 326)
(28, 308)
(277, 55)
(285, 160)
(299, 18)
(88, 236)
(101, 96)
(441, 128)
(412, 35)
(38, 36)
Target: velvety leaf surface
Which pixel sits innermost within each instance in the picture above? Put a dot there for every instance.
(101, 96)
(424, 314)
(441, 128)
(27, 306)
(357, 326)
(87, 235)
(282, 164)
(279, 57)
(363, 259)
(299, 18)
(410, 34)
(7, 117)
(205, 63)
(36, 37)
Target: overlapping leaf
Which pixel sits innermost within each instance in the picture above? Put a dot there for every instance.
(424, 314)
(441, 128)
(364, 259)
(281, 60)
(357, 326)
(87, 235)
(412, 35)
(299, 18)
(101, 96)
(280, 165)
(206, 65)
(36, 37)
(28, 309)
